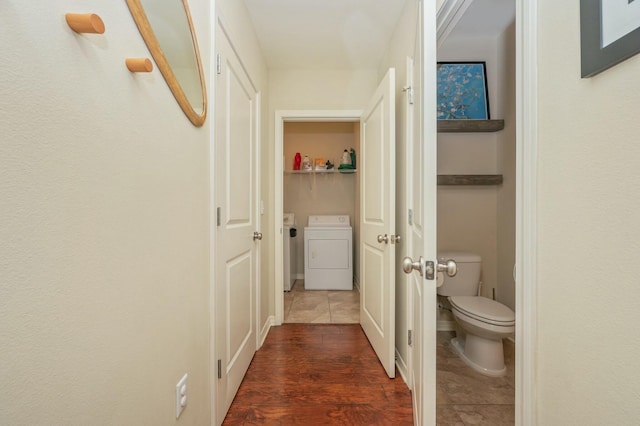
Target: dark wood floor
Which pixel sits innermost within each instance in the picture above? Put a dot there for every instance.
(324, 374)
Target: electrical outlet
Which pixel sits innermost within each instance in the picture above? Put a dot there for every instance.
(181, 395)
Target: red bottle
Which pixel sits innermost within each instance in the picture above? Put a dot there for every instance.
(296, 161)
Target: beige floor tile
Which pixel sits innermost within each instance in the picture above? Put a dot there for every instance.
(321, 306)
(344, 307)
(288, 300)
(309, 307)
(352, 296)
(345, 314)
(446, 415)
(466, 397)
(486, 415)
(309, 317)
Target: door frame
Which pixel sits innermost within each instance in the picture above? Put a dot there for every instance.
(526, 209)
(280, 117)
(526, 17)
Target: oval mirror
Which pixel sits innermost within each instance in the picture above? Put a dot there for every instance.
(167, 29)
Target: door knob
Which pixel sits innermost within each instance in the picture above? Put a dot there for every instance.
(257, 235)
(383, 238)
(408, 265)
(395, 239)
(450, 267)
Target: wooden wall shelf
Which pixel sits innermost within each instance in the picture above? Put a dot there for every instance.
(469, 179)
(469, 126)
(321, 172)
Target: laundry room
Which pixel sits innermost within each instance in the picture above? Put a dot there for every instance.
(320, 178)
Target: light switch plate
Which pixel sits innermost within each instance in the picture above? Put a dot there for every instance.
(181, 395)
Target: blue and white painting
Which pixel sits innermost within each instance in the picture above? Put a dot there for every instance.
(462, 91)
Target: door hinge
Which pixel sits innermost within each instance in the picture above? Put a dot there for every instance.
(218, 216)
(219, 369)
(409, 90)
(410, 338)
(411, 217)
(218, 64)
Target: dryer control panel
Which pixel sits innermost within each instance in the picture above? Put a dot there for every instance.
(329, 220)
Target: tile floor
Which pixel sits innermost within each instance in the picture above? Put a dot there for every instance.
(463, 396)
(321, 306)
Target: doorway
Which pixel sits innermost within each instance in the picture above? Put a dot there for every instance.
(321, 179)
(479, 217)
(303, 129)
(376, 211)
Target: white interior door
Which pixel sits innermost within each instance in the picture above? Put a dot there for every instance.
(377, 222)
(237, 220)
(421, 200)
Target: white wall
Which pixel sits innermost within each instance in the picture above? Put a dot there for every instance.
(468, 215)
(506, 214)
(588, 238)
(104, 234)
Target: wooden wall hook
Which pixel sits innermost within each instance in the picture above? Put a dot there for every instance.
(139, 64)
(85, 23)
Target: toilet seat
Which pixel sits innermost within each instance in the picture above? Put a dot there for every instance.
(484, 310)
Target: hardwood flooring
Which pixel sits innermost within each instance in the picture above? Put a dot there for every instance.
(319, 374)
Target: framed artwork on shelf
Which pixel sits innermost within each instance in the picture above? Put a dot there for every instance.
(462, 91)
(609, 33)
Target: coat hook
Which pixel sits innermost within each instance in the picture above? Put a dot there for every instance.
(85, 23)
(139, 64)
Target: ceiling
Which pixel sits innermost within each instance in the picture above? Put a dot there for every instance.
(485, 18)
(338, 34)
(348, 34)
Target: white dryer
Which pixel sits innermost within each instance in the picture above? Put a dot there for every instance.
(328, 253)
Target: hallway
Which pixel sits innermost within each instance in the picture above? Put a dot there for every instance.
(319, 375)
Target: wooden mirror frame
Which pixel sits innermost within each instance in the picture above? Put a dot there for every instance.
(146, 31)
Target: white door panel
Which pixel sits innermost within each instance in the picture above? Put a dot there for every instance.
(422, 196)
(373, 297)
(377, 218)
(236, 259)
(373, 165)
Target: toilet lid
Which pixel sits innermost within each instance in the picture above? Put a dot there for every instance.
(484, 309)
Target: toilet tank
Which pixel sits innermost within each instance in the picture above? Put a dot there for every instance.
(465, 282)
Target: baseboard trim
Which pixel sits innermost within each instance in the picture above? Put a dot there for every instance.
(402, 368)
(265, 329)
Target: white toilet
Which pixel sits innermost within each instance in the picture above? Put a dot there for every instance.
(482, 323)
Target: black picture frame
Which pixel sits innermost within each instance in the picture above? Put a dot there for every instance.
(462, 87)
(595, 58)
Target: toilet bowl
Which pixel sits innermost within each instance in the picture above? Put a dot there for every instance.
(481, 323)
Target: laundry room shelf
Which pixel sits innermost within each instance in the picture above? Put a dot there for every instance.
(469, 179)
(321, 172)
(469, 126)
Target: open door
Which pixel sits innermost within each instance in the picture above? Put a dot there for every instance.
(377, 222)
(421, 178)
(237, 236)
